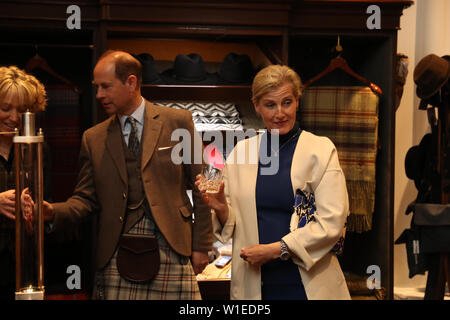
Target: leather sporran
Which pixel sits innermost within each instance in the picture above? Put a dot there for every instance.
(138, 257)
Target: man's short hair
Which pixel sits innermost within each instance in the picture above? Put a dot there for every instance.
(125, 65)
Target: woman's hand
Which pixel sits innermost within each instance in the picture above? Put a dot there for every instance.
(216, 201)
(259, 254)
(8, 204)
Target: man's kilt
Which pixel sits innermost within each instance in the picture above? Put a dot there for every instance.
(175, 279)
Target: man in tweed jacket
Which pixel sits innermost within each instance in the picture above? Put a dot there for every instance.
(103, 186)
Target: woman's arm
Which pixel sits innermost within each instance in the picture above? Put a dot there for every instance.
(260, 254)
(222, 214)
(310, 243)
(216, 201)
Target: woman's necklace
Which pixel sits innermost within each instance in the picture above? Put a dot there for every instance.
(275, 152)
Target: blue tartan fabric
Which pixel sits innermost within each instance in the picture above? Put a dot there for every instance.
(175, 279)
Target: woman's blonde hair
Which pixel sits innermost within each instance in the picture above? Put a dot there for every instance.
(272, 77)
(29, 90)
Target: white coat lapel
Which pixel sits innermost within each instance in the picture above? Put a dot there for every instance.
(246, 177)
(298, 165)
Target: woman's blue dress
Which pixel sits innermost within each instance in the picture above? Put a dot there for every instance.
(274, 203)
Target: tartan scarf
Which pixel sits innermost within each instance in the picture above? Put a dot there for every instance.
(349, 117)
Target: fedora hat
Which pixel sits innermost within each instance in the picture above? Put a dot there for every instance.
(149, 73)
(430, 74)
(236, 69)
(188, 69)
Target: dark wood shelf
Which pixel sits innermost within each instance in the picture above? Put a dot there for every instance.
(197, 93)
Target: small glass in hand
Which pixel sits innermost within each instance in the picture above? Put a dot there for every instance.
(211, 179)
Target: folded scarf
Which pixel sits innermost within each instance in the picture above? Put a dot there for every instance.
(204, 109)
(349, 117)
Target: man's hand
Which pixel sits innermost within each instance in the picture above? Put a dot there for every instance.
(48, 211)
(199, 261)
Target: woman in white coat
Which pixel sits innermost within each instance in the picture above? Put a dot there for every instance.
(272, 259)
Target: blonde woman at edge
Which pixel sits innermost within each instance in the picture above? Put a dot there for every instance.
(19, 92)
(269, 261)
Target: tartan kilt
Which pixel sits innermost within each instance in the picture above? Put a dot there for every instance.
(175, 279)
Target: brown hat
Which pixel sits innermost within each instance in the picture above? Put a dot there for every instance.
(430, 74)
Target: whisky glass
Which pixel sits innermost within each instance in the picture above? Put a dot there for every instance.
(211, 179)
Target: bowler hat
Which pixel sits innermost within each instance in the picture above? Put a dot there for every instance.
(415, 160)
(188, 69)
(430, 74)
(435, 99)
(236, 69)
(149, 73)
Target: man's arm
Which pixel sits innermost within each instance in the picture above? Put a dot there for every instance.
(66, 216)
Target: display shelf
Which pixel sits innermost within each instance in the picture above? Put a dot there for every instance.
(197, 92)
